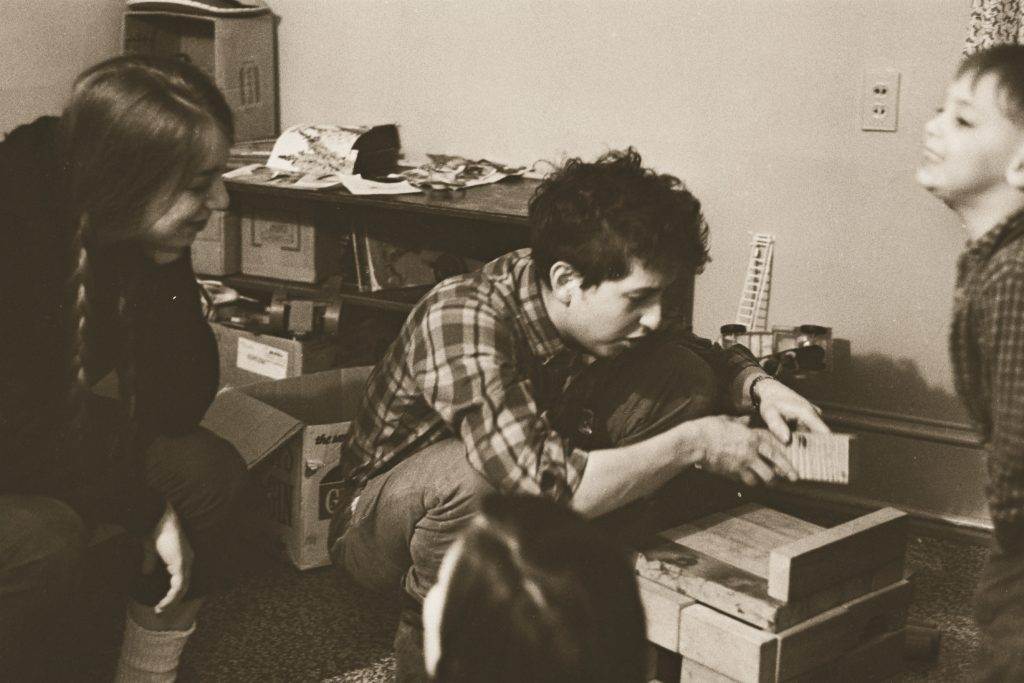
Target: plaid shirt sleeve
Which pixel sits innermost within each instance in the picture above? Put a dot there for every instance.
(465, 363)
(1004, 329)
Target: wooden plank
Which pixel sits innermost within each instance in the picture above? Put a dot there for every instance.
(797, 611)
(693, 672)
(842, 629)
(743, 536)
(662, 607)
(810, 564)
(744, 595)
(877, 660)
(785, 525)
(705, 579)
(728, 646)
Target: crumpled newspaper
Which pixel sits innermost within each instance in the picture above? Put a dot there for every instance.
(446, 172)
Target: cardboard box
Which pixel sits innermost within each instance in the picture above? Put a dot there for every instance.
(217, 248)
(247, 357)
(288, 245)
(290, 433)
(237, 51)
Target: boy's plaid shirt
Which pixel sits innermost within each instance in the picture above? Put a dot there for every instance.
(478, 358)
(987, 349)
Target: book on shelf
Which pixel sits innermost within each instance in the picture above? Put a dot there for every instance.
(384, 264)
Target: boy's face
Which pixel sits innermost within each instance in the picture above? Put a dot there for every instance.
(969, 143)
(607, 318)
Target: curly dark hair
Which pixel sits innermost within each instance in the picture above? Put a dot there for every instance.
(1007, 63)
(600, 216)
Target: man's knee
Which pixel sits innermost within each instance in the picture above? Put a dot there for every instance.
(201, 474)
(648, 390)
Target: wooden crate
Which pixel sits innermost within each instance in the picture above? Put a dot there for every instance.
(754, 594)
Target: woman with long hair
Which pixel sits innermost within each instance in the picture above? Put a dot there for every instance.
(99, 210)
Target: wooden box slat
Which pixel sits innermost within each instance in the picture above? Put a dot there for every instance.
(662, 608)
(724, 560)
(728, 646)
(807, 565)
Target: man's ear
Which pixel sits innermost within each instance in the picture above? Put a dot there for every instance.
(1015, 169)
(565, 281)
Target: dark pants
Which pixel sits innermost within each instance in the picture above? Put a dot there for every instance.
(41, 544)
(42, 539)
(999, 613)
(205, 480)
(406, 518)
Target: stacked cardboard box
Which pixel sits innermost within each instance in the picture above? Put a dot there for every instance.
(247, 357)
(290, 434)
(237, 51)
(758, 596)
(289, 245)
(216, 249)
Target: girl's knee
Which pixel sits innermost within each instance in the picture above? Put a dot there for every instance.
(199, 473)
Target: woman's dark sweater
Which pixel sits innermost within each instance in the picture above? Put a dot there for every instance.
(174, 349)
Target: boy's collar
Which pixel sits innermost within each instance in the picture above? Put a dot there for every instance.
(1004, 232)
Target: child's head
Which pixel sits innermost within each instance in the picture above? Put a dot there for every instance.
(600, 217)
(974, 145)
(533, 592)
(138, 132)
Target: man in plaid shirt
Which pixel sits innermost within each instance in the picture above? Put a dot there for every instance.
(974, 162)
(472, 397)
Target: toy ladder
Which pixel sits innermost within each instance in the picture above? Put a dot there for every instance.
(753, 309)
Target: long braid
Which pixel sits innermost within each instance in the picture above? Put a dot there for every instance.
(78, 327)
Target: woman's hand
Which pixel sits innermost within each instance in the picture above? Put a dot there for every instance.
(168, 544)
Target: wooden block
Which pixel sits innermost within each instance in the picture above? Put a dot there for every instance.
(693, 672)
(831, 556)
(877, 660)
(842, 629)
(743, 537)
(726, 645)
(745, 595)
(662, 607)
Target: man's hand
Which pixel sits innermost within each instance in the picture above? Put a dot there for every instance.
(782, 407)
(168, 544)
(729, 447)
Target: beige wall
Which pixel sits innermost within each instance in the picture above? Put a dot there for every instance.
(43, 46)
(753, 103)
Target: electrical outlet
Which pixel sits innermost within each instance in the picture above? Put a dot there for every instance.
(880, 98)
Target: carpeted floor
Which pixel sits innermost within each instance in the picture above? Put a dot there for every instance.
(279, 624)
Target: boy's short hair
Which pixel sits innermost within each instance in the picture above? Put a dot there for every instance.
(599, 216)
(1007, 63)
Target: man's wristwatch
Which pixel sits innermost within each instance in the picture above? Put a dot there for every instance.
(754, 398)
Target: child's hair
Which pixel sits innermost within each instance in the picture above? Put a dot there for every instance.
(1007, 63)
(134, 126)
(538, 594)
(599, 216)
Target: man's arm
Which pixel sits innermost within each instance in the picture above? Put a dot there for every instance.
(736, 370)
(719, 444)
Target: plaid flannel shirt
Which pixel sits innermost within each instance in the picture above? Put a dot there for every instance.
(478, 358)
(987, 349)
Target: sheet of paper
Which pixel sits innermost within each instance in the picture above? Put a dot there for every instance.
(357, 184)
